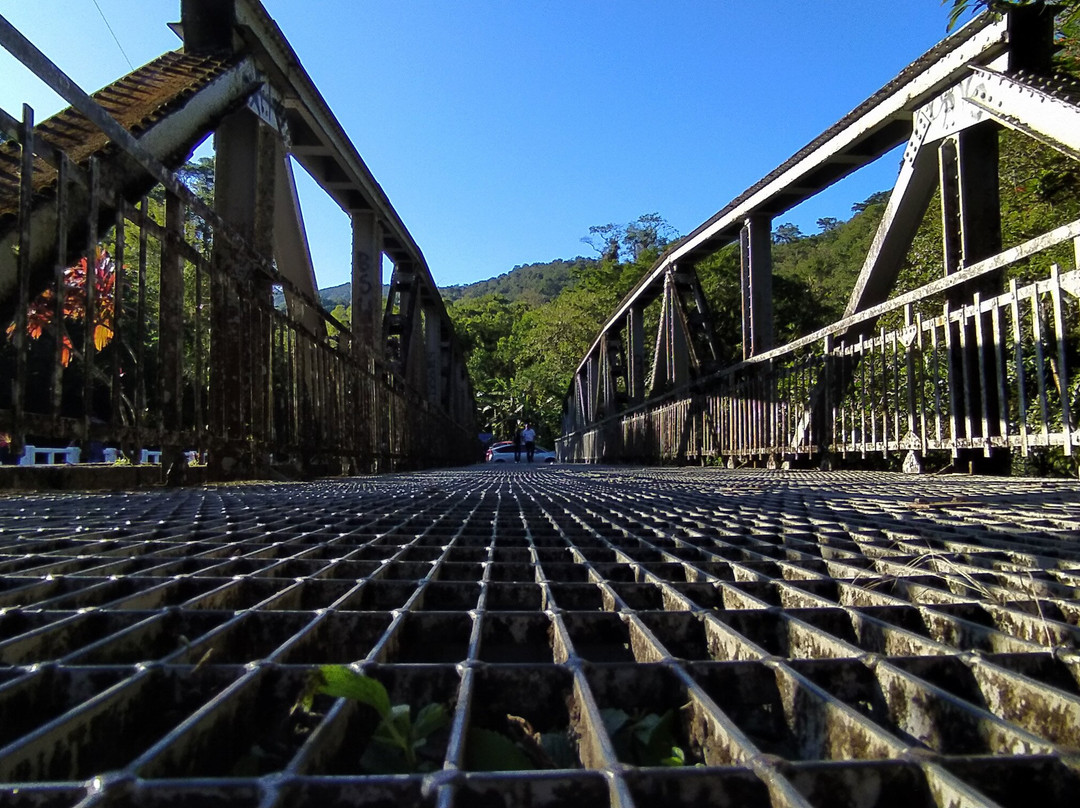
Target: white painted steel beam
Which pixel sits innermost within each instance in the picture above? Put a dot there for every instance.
(860, 137)
(903, 214)
(1018, 105)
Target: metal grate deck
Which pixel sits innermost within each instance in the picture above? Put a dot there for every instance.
(841, 639)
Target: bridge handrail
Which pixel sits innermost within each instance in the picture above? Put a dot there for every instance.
(1059, 235)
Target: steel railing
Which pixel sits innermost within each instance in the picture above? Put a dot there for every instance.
(178, 336)
(916, 374)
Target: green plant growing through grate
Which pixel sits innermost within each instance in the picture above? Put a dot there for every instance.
(398, 739)
(644, 739)
(520, 748)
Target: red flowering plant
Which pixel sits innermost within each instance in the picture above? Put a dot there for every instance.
(42, 309)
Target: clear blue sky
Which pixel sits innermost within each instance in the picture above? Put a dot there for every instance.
(502, 130)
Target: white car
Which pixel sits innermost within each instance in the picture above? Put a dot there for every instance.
(504, 453)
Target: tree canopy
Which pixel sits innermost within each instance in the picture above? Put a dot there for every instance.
(959, 8)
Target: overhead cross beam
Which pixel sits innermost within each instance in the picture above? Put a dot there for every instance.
(873, 128)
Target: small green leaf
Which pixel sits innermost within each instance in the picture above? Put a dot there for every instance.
(647, 728)
(394, 730)
(379, 758)
(614, 720)
(342, 681)
(657, 736)
(676, 758)
(431, 718)
(493, 752)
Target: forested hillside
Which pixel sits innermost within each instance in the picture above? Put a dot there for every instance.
(522, 355)
(534, 284)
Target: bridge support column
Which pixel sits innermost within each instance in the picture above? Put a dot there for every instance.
(755, 242)
(434, 361)
(635, 354)
(366, 282)
(247, 154)
(971, 231)
(171, 331)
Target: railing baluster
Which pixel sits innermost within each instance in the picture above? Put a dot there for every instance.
(140, 334)
(936, 347)
(954, 381)
(895, 393)
(59, 292)
(920, 381)
(862, 397)
(1063, 370)
(871, 346)
(909, 372)
(1000, 368)
(200, 328)
(1040, 365)
(118, 315)
(1018, 354)
(984, 389)
(966, 380)
(90, 300)
(845, 382)
(26, 194)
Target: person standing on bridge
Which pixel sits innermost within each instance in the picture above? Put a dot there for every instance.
(517, 443)
(529, 436)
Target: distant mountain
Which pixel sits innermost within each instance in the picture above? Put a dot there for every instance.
(331, 297)
(534, 283)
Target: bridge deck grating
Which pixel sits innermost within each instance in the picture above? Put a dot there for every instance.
(820, 639)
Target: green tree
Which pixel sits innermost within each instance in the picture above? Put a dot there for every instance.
(959, 8)
(786, 233)
(484, 325)
(649, 232)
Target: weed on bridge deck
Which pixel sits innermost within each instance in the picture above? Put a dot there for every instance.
(792, 638)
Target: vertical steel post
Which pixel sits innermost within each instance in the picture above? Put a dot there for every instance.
(89, 346)
(755, 242)
(171, 333)
(635, 353)
(26, 193)
(366, 283)
(63, 178)
(247, 156)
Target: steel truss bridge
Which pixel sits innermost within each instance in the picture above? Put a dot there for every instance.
(805, 639)
(975, 365)
(178, 344)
